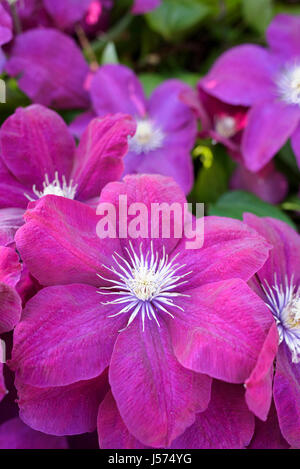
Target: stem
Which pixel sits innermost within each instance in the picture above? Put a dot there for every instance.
(16, 18)
(86, 46)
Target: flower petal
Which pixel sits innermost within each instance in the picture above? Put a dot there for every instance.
(284, 257)
(3, 390)
(143, 6)
(62, 410)
(241, 76)
(226, 424)
(157, 398)
(112, 432)
(10, 308)
(270, 124)
(287, 396)
(230, 250)
(99, 157)
(36, 141)
(10, 220)
(14, 434)
(295, 142)
(10, 267)
(5, 26)
(221, 331)
(65, 232)
(283, 35)
(52, 68)
(66, 13)
(259, 385)
(267, 435)
(115, 88)
(61, 326)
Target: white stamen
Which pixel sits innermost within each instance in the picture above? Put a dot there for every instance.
(284, 302)
(225, 126)
(288, 84)
(54, 188)
(147, 137)
(146, 284)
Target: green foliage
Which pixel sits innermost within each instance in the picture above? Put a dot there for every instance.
(174, 18)
(234, 204)
(258, 13)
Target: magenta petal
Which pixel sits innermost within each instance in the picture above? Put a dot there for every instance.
(241, 76)
(10, 267)
(14, 434)
(10, 308)
(66, 13)
(12, 192)
(66, 325)
(99, 157)
(226, 424)
(284, 257)
(10, 220)
(295, 141)
(283, 35)
(115, 88)
(5, 26)
(221, 331)
(157, 398)
(65, 232)
(267, 435)
(259, 384)
(230, 250)
(270, 124)
(149, 190)
(287, 396)
(62, 410)
(3, 390)
(143, 6)
(112, 432)
(36, 141)
(52, 68)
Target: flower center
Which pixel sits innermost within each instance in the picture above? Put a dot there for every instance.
(147, 137)
(55, 188)
(225, 126)
(145, 283)
(289, 84)
(284, 302)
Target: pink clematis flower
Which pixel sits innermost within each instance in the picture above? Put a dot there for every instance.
(167, 319)
(225, 424)
(166, 127)
(5, 32)
(267, 81)
(278, 283)
(14, 434)
(39, 157)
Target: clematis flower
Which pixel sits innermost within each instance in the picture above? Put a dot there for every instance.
(267, 81)
(225, 424)
(14, 434)
(268, 183)
(5, 32)
(278, 283)
(267, 435)
(51, 68)
(39, 157)
(167, 319)
(166, 127)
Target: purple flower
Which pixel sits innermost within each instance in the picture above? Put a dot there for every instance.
(39, 157)
(51, 68)
(14, 434)
(225, 424)
(166, 127)
(268, 81)
(5, 32)
(278, 283)
(155, 297)
(268, 183)
(10, 301)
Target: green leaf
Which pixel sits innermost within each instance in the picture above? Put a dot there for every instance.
(258, 13)
(176, 17)
(292, 204)
(234, 204)
(109, 54)
(150, 81)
